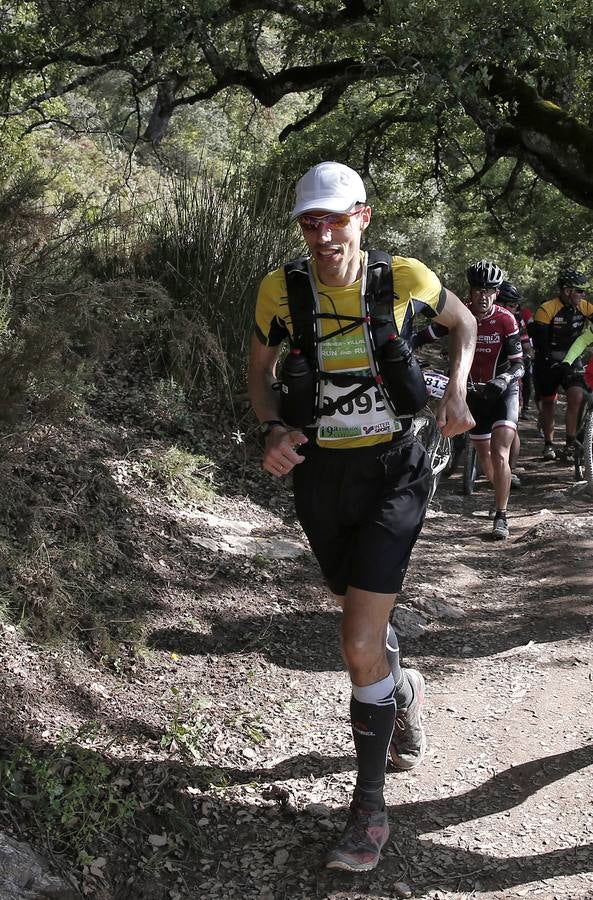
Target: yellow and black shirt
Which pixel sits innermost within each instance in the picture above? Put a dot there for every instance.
(557, 324)
(416, 290)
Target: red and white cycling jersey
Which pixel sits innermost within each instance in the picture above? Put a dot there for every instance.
(497, 346)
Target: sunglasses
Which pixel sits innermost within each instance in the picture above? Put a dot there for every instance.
(335, 220)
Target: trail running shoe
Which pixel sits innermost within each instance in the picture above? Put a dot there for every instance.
(408, 744)
(515, 481)
(359, 848)
(549, 452)
(500, 529)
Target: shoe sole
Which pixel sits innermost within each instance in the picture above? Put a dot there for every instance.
(338, 865)
(398, 762)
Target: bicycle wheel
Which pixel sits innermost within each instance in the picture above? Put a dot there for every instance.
(428, 433)
(470, 468)
(440, 457)
(579, 455)
(457, 446)
(588, 448)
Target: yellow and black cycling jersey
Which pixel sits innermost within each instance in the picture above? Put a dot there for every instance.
(557, 324)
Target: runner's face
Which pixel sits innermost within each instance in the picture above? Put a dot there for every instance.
(481, 301)
(336, 250)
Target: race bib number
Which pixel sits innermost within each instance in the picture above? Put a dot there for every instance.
(361, 416)
(436, 383)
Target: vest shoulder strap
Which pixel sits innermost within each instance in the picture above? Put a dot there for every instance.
(379, 298)
(301, 304)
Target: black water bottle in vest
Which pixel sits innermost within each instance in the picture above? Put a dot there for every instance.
(297, 390)
(401, 376)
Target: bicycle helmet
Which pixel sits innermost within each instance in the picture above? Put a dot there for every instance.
(508, 293)
(484, 274)
(570, 278)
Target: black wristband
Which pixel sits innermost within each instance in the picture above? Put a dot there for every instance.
(266, 427)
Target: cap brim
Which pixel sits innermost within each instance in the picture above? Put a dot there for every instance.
(325, 204)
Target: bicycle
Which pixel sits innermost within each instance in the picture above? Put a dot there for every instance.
(470, 462)
(470, 466)
(438, 448)
(583, 449)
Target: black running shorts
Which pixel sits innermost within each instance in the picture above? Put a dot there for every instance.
(362, 510)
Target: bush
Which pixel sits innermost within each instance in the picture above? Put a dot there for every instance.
(208, 244)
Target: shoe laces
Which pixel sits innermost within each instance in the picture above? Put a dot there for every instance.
(360, 821)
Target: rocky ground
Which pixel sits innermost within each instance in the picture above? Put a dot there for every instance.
(216, 698)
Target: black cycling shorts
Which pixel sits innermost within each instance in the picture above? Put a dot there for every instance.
(362, 510)
(548, 378)
(491, 414)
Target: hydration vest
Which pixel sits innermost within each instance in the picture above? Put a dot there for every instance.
(378, 301)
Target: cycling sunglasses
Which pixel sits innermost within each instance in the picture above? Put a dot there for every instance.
(335, 220)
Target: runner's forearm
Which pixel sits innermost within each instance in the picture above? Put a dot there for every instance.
(261, 376)
(456, 317)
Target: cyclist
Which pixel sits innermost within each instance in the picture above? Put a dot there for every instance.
(556, 323)
(360, 479)
(496, 370)
(510, 298)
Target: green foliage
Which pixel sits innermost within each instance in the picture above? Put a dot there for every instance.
(182, 473)
(208, 243)
(188, 731)
(72, 798)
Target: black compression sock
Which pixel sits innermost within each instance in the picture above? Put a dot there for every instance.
(372, 727)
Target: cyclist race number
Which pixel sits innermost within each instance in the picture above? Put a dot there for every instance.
(436, 383)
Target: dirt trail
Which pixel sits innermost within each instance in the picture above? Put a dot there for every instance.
(501, 808)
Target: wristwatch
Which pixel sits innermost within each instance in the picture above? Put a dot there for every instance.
(266, 427)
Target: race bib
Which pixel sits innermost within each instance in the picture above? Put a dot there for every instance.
(361, 416)
(436, 383)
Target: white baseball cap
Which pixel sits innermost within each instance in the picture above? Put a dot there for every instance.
(330, 186)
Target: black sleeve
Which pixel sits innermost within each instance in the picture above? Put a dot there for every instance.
(278, 333)
(540, 336)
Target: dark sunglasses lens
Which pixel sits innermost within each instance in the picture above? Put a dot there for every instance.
(309, 224)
